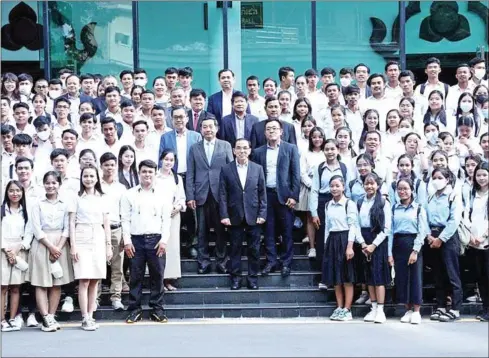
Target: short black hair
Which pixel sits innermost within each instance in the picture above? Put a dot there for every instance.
(5, 98)
(352, 89)
(138, 122)
(407, 73)
(106, 157)
(237, 94)
(57, 152)
(19, 160)
(7, 129)
(70, 131)
(171, 71)
(86, 76)
(270, 120)
(253, 78)
(107, 120)
(311, 72)
(328, 71)
(126, 72)
(361, 64)
(224, 70)
(140, 70)
(284, 71)
(86, 116)
(61, 99)
(195, 92)
(22, 139)
(112, 89)
(375, 75)
(126, 103)
(147, 163)
(186, 71)
(476, 61)
(21, 105)
(391, 63)
(460, 65)
(41, 121)
(25, 77)
(55, 81)
(431, 60)
(346, 71)
(157, 107)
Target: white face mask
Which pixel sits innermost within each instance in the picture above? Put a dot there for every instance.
(439, 184)
(345, 82)
(404, 131)
(485, 112)
(432, 137)
(140, 82)
(466, 107)
(25, 90)
(54, 94)
(479, 73)
(44, 135)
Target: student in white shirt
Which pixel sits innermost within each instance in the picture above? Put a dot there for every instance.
(43, 145)
(255, 101)
(378, 100)
(21, 116)
(436, 113)
(466, 108)
(432, 70)
(269, 87)
(143, 149)
(464, 85)
(371, 122)
(127, 172)
(285, 100)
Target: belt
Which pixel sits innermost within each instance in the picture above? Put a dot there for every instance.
(146, 236)
(273, 190)
(115, 226)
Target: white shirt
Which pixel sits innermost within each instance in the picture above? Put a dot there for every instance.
(181, 151)
(147, 152)
(209, 149)
(440, 86)
(257, 107)
(453, 96)
(94, 143)
(28, 129)
(271, 169)
(240, 126)
(47, 215)
(382, 105)
(341, 216)
(242, 173)
(309, 161)
(393, 93)
(117, 115)
(143, 212)
(113, 193)
(90, 209)
(175, 193)
(479, 215)
(227, 107)
(114, 148)
(13, 228)
(154, 137)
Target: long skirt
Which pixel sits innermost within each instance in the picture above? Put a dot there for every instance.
(303, 204)
(323, 199)
(10, 274)
(40, 266)
(409, 278)
(377, 270)
(337, 270)
(92, 256)
(173, 267)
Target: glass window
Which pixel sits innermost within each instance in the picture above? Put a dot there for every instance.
(91, 37)
(272, 35)
(352, 32)
(179, 34)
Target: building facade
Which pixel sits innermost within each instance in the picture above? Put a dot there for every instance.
(248, 37)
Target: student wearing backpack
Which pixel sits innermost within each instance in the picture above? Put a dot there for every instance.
(374, 214)
(444, 210)
(408, 231)
(405, 165)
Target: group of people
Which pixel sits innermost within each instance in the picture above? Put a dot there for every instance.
(384, 178)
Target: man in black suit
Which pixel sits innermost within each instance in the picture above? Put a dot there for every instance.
(280, 162)
(197, 113)
(243, 209)
(258, 137)
(239, 123)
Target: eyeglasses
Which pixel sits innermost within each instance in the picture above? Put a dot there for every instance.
(41, 86)
(178, 118)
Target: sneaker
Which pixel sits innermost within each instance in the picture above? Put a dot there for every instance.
(311, 253)
(345, 315)
(6, 326)
(15, 324)
(435, 316)
(97, 326)
(117, 305)
(475, 299)
(305, 240)
(68, 305)
(416, 318)
(370, 317)
(380, 317)
(48, 324)
(32, 321)
(88, 324)
(56, 324)
(407, 317)
(158, 317)
(449, 316)
(362, 299)
(368, 302)
(135, 316)
(335, 314)
(484, 317)
(322, 286)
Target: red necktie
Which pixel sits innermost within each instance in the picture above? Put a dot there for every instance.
(196, 120)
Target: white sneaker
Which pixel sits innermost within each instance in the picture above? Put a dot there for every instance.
(322, 286)
(362, 299)
(311, 253)
(474, 298)
(88, 324)
(18, 320)
(370, 317)
(368, 302)
(32, 321)
(345, 315)
(6, 327)
(305, 240)
(97, 326)
(407, 317)
(117, 305)
(56, 323)
(48, 324)
(416, 318)
(380, 317)
(68, 305)
(15, 324)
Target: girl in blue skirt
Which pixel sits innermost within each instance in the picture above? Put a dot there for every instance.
(375, 223)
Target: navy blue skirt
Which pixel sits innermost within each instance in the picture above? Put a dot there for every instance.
(409, 278)
(377, 270)
(337, 270)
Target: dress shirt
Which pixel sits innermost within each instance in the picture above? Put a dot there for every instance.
(94, 143)
(13, 227)
(227, 107)
(181, 151)
(154, 136)
(341, 216)
(419, 194)
(355, 123)
(147, 152)
(440, 86)
(308, 162)
(49, 215)
(114, 148)
(74, 107)
(209, 147)
(257, 107)
(114, 192)
(394, 93)
(58, 129)
(73, 167)
(453, 96)
(443, 213)
(364, 220)
(117, 115)
(28, 129)
(90, 209)
(240, 126)
(242, 173)
(175, 193)
(478, 205)
(382, 105)
(142, 212)
(272, 160)
(405, 220)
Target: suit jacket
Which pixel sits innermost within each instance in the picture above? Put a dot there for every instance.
(83, 97)
(99, 104)
(228, 128)
(169, 141)
(190, 123)
(258, 134)
(238, 203)
(288, 170)
(214, 106)
(202, 177)
(168, 117)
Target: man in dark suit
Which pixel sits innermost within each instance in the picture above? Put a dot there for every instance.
(204, 164)
(73, 93)
(177, 99)
(219, 103)
(239, 123)
(197, 113)
(258, 138)
(243, 208)
(280, 162)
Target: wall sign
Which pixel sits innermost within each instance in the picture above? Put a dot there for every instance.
(252, 15)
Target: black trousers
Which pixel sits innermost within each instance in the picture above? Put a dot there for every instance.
(207, 217)
(145, 253)
(238, 234)
(481, 263)
(190, 221)
(28, 300)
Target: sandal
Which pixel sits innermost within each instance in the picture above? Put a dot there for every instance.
(435, 316)
(448, 317)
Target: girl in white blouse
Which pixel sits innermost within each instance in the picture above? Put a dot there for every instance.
(91, 247)
(50, 224)
(14, 250)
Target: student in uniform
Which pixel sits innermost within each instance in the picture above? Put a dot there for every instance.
(14, 247)
(87, 157)
(444, 209)
(340, 222)
(90, 240)
(50, 224)
(405, 165)
(477, 211)
(375, 222)
(439, 160)
(471, 162)
(128, 173)
(408, 230)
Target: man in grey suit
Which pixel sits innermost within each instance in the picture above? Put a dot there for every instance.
(204, 164)
(243, 209)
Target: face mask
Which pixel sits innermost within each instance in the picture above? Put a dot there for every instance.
(466, 107)
(140, 82)
(439, 184)
(44, 135)
(345, 82)
(25, 90)
(485, 113)
(432, 137)
(479, 73)
(54, 94)
(404, 131)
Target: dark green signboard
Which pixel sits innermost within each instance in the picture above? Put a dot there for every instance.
(252, 15)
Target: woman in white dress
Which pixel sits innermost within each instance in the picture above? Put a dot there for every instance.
(14, 250)
(90, 240)
(173, 185)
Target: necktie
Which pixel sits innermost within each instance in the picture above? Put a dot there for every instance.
(196, 120)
